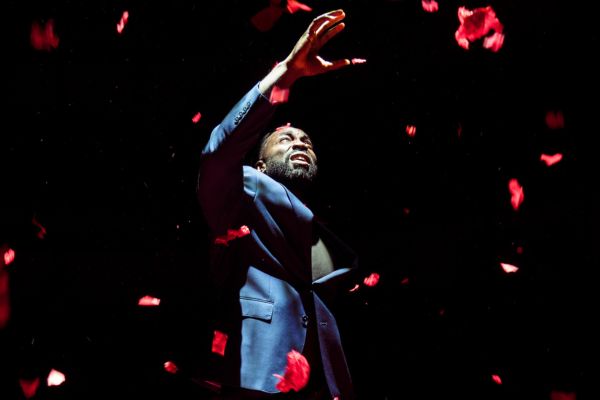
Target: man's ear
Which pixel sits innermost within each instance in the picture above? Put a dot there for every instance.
(261, 166)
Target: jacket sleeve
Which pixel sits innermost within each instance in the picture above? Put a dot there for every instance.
(221, 178)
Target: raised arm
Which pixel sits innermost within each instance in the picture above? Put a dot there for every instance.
(220, 182)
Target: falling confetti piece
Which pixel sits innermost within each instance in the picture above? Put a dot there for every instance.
(43, 37)
(170, 367)
(358, 61)
(55, 378)
(287, 125)
(509, 268)
(148, 301)
(219, 342)
(475, 24)
(29, 386)
(496, 378)
(297, 372)
(294, 6)
(519, 249)
(42, 231)
(551, 159)
(4, 298)
(516, 193)
(266, 18)
(9, 256)
(196, 118)
(404, 281)
(121, 24)
(279, 95)
(555, 120)
(232, 234)
(355, 288)
(411, 130)
(560, 395)
(372, 279)
(430, 5)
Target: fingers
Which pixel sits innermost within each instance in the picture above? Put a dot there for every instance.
(333, 65)
(323, 22)
(331, 33)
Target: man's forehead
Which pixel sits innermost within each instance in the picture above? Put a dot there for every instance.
(289, 130)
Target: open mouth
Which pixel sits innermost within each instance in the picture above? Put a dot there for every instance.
(300, 158)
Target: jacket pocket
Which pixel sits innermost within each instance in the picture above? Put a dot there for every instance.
(258, 309)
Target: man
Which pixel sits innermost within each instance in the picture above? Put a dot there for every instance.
(276, 267)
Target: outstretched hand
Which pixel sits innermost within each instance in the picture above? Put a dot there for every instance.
(304, 59)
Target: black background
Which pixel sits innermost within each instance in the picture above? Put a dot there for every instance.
(98, 146)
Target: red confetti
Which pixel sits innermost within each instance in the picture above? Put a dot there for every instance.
(4, 299)
(219, 342)
(372, 279)
(55, 378)
(279, 95)
(497, 379)
(9, 256)
(297, 372)
(555, 120)
(42, 231)
(551, 159)
(430, 5)
(43, 37)
(232, 234)
(404, 281)
(295, 6)
(519, 249)
(148, 301)
(475, 24)
(266, 18)
(170, 367)
(287, 125)
(358, 61)
(516, 193)
(560, 395)
(121, 24)
(29, 386)
(355, 288)
(411, 130)
(509, 268)
(196, 118)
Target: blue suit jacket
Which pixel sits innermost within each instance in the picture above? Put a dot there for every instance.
(266, 277)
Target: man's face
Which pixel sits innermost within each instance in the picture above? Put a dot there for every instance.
(288, 155)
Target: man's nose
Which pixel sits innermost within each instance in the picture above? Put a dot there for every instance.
(299, 144)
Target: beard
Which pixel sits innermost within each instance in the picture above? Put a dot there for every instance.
(284, 172)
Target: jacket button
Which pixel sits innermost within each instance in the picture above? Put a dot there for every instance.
(305, 321)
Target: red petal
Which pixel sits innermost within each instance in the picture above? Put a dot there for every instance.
(509, 268)
(496, 378)
(43, 37)
(266, 18)
(219, 342)
(372, 279)
(121, 24)
(358, 61)
(294, 6)
(279, 95)
(476, 24)
(555, 120)
(9, 256)
(42, 231)
(411, 130)
(4, 299)
(170, 367)
(297, 372)
(196, 118)
(29, 386)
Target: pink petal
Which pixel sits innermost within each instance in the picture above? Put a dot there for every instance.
(148, 301)
(551, 159)
(196, 118)
(294, 6)
(55, 378)
(287, 125)
(232, 234)
(372, 279)
(430, 5)
(475, 24)
(9, 256)
(42, 231)
(358, 61)
(121, 24)
(297, 372)
(509, 268)
(355, 288)
(497, 379)
(494, 42)
(170, 367)
(219, 342)
(516, 193)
